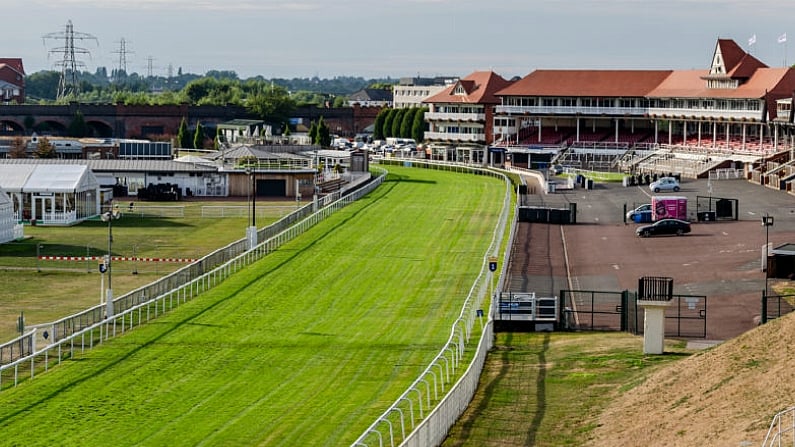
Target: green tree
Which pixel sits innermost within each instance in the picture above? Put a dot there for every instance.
(312, 132)
(45, 150)
(78, 127)
(396, 121)
(183, 139)
(198, 137)
(198, 89)
(42, 84)
(322, 134)
(286, 132)
(378, 126)
(407, 122)
(271, 104)
(388, 118)
(419, 127)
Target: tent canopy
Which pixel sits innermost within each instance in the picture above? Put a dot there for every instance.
(47, 178)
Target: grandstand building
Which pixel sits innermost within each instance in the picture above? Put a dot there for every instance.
(725, 115)
(460, 118)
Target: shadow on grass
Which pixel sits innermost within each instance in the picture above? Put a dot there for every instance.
(391, 178)
(495, 386)
(27, 249)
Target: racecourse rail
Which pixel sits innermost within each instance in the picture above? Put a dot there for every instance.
(423, 414)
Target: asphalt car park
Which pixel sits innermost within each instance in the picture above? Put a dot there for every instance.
(718, 259)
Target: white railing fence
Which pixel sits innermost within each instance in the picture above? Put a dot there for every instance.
(782, 429)
(425, 412)
(219, 211)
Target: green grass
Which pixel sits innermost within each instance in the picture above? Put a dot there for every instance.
(62, 288)
(597, 176)
(547, 389)
(306, 347)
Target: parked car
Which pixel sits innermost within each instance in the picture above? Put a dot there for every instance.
(665, 184)
(631, 214)
(664, 226)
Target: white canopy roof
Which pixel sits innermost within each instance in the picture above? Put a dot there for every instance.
(46, 178)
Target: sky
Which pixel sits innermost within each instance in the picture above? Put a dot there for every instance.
(393, 38)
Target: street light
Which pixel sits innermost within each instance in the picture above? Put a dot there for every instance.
(109, 216)
(254, 200)
(251, 231)
(767, 222)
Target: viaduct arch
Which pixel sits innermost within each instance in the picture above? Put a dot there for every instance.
(143, 121)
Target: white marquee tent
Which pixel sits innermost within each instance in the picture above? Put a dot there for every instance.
(51, 194)
(8, 223)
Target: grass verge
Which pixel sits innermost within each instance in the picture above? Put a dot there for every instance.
(547, 389)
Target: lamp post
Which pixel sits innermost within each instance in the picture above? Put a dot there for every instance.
(767, 222)
(251, 230)
(254, 200)
(109, 216)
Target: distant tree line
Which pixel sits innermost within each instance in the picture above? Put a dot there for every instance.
(215, 87)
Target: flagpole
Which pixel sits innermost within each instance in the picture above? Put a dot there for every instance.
(783, 39)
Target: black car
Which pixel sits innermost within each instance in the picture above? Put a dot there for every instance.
(664, 226)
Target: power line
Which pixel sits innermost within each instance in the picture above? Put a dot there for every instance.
(121, 70)
(67, 84)
(149, 66)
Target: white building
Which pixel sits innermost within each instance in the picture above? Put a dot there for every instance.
(410, 92)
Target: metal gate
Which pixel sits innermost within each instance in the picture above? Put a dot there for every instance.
(590, 310)
(687, 317)
(774, 306)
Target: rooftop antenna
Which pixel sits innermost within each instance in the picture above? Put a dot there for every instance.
(67, 84)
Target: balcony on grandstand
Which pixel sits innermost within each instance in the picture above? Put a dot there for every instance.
(573, 106)
(455, 116)
(455, 137)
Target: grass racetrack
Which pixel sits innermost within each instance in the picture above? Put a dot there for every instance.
(306, 347)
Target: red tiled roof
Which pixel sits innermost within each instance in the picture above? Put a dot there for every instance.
(598, 83)
(756, 80)
(689, 84)
(737, 62)
(479, 86)
(13, 62)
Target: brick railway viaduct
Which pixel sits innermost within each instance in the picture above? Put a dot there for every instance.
(142, 121)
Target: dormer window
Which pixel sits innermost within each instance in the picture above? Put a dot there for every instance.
(717, 63)
(459, 90)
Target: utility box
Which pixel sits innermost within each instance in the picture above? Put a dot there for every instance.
(669, 207)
